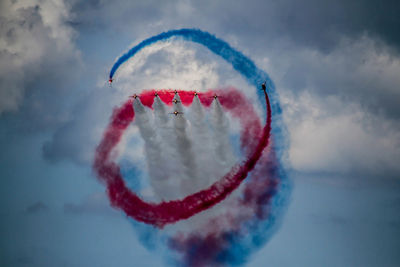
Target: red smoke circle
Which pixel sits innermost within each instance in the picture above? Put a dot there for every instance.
(254, 140)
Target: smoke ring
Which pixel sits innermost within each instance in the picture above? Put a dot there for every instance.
(175, 210)
(235, 247)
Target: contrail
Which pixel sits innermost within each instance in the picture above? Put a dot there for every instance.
(158, 169)
(251, 217)
(185, 150)
(239, 62)
(203, 144)
(169, 155)
(175, 210)
(256, 193)
(223, 147)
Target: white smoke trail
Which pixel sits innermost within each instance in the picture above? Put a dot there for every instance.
(184, 147)
(169, 154)
(223, 147)
(184, 156)
(157, 167)
(203, 144)
(213, 156)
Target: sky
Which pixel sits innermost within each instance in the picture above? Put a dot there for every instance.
(336, 68)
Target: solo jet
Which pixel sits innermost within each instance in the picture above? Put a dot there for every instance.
(263, 86)
(175, 101)
(134, 96)
(176, 113)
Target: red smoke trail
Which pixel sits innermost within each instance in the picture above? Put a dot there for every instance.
(244, 111)
(148, 98)
(186, 97)
(171, 211)
(165, 95)
(121, 119)
(209, 246)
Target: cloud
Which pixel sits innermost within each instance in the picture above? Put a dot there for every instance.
(76, 139)
(341, 107)
(347, 140)
(309, 23)
(166, 65)
(37, 50)
(37, 207)
(360, 70)
(96, 203)
(337, 78)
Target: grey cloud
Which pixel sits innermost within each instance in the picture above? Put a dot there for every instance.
(359, 70)
(336, 66)
(322, 43)
(341, 106)
(96, 203)
(37, 207)
(341, 54)
(36, 53)
(76, 139)
(329, 218)
(308, 23)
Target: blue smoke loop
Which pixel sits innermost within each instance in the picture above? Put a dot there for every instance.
(260, 230)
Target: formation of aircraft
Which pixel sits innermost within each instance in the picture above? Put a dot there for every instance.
(176, 113)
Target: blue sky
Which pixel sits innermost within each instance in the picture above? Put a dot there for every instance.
(335, 65)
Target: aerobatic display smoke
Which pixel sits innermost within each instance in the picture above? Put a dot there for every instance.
(213, 204)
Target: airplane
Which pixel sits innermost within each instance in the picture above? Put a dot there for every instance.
(176, 113)
(263, 86)
(110, 81)
(134, 96)
(215, 96)
(175, 101)
(195, 94)
(155, 94)
(175, 91)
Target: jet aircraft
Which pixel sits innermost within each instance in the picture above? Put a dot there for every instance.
(263, 86)
(134, 96)
(176, 113)
(110, 81)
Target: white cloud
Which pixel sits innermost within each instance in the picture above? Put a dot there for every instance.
(341, 107)
(170, 64)
(335, 102)
(329, 135)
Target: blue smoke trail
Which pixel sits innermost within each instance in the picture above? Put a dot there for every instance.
(261, 231)
(239, 62)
